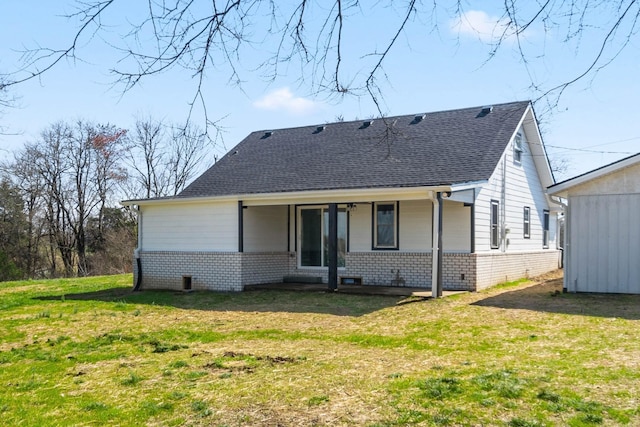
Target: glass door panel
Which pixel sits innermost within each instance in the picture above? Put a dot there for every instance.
(314, 236)
(311, 238)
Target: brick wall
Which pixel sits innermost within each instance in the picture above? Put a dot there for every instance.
(265, 267)
(390, 268)
(215, 271)
(230, 271)
(459, 272)
(494, 268)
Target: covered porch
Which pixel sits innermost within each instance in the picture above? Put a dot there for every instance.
(401, 238)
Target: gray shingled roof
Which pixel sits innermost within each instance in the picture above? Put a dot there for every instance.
(444, 148)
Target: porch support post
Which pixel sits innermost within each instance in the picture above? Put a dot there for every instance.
(436, 271)
(333, 247)
(240, 227)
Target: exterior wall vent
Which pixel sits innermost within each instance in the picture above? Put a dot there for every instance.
(186, 283)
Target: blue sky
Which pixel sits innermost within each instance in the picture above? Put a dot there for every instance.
(430, 70)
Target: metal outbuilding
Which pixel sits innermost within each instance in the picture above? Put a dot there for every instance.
(602, 240)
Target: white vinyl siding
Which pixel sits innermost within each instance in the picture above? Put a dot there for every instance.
(522, 188)
(360, 228)
(265, 229)
(456, 227)
(415, 225)
(191, 227)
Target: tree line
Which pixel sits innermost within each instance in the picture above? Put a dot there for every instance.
(59, 194)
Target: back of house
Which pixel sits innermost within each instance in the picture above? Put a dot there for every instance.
(453, 198)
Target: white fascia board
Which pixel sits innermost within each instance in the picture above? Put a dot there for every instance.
(534, 139)
(464, 193)
(561, 189)
(468, 185)
(307, 197)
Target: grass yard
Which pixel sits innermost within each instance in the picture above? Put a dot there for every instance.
(89, 352)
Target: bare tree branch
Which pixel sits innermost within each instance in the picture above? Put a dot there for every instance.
(216, 35)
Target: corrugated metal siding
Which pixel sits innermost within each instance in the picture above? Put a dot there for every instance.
(604, 244)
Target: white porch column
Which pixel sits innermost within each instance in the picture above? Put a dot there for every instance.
(435, 251)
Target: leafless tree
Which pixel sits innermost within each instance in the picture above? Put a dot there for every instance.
(69, 174)
(203, 36)
(23, 175)
(162, 159)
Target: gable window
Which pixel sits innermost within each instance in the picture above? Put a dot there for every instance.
(314, 236)
(526, 222)
(385, 225)
(545, 229)
(517, 147)
(495, 228)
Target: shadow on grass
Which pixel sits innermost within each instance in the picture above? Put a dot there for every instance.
(548, 297)
(254, 301)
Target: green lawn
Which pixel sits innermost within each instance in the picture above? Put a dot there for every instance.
(89, 352)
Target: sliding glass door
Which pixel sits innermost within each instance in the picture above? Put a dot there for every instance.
(314, 236)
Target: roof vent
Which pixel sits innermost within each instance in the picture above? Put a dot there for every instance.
(485, 110)
(417, 119)
(267, 134)
(319, 129)
(366, 124)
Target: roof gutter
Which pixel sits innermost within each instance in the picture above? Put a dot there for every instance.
(323, 196)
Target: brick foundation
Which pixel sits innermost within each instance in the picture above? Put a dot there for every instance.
(230, 271)
(494, 268)
(214, 271)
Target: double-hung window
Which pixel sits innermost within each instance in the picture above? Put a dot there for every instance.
(495, 224)
(517, 147)
(385, 225)
(545, 229)
(526, 222)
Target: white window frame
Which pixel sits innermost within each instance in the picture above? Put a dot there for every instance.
(526, 222)
(374, 230)
(518, 147)
(546, 220)
(494, 224)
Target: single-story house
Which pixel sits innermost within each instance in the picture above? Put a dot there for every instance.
(452, 198)
(602, 234)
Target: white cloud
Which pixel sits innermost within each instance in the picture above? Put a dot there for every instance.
(477, 23)
(284, 100)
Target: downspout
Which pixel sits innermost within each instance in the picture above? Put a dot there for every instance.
(240, 226)
(136, 288)
(136, 252)
(440, 251)
(503, 207)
